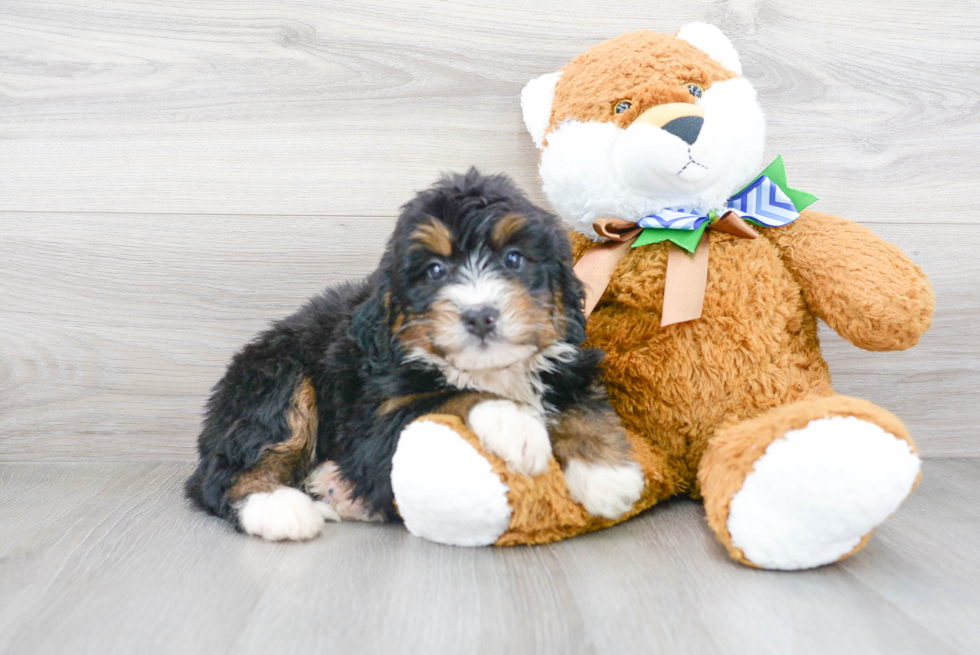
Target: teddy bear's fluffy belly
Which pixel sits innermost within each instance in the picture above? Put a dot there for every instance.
(754, 348)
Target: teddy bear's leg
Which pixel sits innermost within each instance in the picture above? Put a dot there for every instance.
(451, 490)
(805, 484)
(445, 489)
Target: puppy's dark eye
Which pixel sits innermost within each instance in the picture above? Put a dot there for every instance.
(622, 106)
(435, 271)
(514, 260)
(695, 90)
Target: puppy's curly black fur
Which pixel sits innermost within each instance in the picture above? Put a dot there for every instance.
(339, 379)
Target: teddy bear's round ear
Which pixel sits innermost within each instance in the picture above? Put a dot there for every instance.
(715, 44)
(536, 105)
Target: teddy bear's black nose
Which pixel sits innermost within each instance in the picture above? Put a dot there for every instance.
(685, 128)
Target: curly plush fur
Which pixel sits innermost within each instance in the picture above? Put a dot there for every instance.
(743, 393)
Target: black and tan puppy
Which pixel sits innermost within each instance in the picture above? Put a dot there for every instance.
(475, 311)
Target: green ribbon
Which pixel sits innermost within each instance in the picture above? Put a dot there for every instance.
(688, 238)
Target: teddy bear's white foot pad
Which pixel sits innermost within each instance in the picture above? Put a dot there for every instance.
(445, 490)
(816, 493)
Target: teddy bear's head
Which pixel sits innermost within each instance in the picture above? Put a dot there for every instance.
(645, 122)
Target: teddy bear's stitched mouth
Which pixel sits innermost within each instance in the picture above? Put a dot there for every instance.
(690, 160)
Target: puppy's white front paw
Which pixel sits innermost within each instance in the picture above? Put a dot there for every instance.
(603, 489)
(284, 514)
(514, 433)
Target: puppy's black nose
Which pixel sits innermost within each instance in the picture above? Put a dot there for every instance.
(686, 128)
(480, 321)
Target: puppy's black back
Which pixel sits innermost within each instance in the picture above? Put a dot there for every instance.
(345, 344)
(248, 407)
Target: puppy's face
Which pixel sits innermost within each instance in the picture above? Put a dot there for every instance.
(480, 278)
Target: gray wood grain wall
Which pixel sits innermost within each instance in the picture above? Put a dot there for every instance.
(175, 175)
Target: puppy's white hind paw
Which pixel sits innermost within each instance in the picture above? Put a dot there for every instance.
(327, 511)
(514, 433)
(603, 489)
(285, 514)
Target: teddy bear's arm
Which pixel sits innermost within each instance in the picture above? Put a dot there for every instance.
(865, 288)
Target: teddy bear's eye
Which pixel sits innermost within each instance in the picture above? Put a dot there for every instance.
(695, 90)
(622, 106)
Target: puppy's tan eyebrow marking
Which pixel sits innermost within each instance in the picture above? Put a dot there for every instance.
(434, 236)
(505, 228)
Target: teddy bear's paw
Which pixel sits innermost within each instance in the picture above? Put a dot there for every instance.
(513, 432)
(816, 493)
(445, 490)
(285, 514)
(604, 490)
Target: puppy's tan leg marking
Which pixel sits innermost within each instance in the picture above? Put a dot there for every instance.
(267, 506)
(283, 463)
(591, 446)
(462, 404)
(396, 403)
(334, 491)
(590, 434)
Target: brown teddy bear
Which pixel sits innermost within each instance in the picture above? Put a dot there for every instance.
(709, 321)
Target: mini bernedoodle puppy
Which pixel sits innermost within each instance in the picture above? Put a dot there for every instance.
(474, 311)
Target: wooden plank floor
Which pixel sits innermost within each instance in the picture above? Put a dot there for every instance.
(107, 558)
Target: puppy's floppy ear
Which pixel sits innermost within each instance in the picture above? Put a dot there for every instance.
(371, 325)
(536, 100)
(712, 42)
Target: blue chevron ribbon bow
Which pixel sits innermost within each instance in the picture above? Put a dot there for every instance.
(768, 202)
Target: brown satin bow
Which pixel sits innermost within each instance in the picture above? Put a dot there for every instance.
(687, 274)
